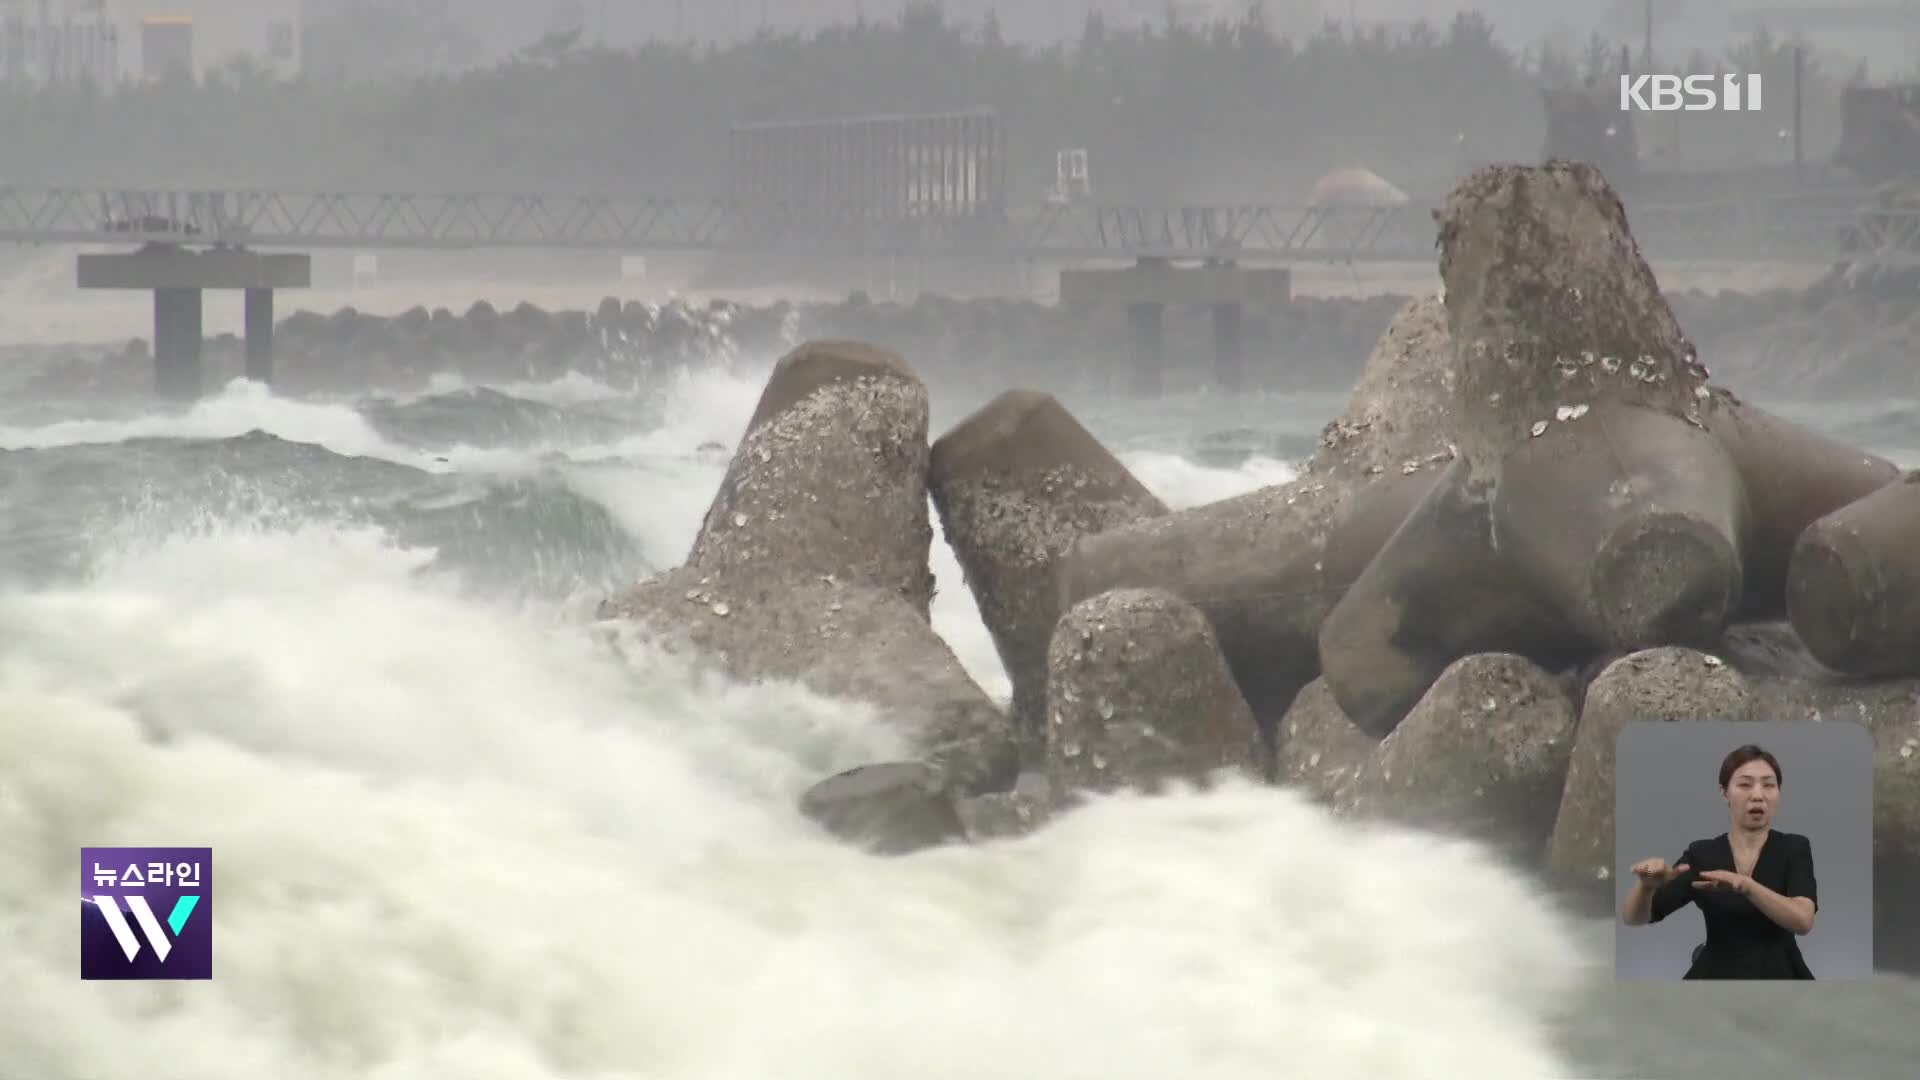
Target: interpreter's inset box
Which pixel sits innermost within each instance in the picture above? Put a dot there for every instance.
(1743, 850)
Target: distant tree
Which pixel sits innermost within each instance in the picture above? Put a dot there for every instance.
(379, 40)
(1227, 110)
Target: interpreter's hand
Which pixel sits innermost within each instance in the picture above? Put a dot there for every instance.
(1723, 881)
(1654, 873)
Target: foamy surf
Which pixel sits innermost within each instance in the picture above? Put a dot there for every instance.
(237, 409)
(460, 837)
(460, 841)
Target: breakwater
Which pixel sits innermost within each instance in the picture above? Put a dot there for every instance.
(1821, 342)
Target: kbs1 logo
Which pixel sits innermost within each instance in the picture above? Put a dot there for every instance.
(146, 913)
(1693, 93)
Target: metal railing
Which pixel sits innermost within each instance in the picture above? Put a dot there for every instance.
(1787, 228)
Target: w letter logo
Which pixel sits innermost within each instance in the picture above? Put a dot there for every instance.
(150, 926)
(146, 913)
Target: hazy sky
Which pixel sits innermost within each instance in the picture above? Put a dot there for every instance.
(506, 24)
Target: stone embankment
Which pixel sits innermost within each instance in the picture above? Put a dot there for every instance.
(1826, 342)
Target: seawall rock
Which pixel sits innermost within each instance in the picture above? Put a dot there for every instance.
(893, 808)
(1321, 751)
(1592, 507)
(1266, 567)
(1139, 696)
(1016, 484)
(1853, 585)
(811, 564)
(1811, 343)
(1670, 684)
(1484, 754)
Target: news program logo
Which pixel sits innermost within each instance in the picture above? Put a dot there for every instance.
(146, 913)
(1691, 93)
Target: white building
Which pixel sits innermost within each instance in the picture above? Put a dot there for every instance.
(263, 32)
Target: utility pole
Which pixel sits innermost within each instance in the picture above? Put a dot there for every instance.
(1799, 74)
(1647, 53)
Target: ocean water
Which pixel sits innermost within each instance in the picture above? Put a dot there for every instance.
(458, 837)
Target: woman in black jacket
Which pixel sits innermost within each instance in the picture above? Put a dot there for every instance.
(1754, 886)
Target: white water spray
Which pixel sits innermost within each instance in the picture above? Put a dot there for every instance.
(459, 842)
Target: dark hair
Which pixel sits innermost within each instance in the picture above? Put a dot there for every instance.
(1744, 755)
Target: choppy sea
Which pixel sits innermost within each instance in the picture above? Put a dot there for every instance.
(344, 644)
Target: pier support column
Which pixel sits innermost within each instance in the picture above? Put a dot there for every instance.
(1229, 346)
(1147, 348)
(1147, 288)
(259, 329)
(178, 279)
(177, 341)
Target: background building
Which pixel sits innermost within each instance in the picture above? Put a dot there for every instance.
(47, 41)
(257, 34)
(108, 42)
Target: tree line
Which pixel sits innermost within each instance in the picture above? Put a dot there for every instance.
(1222, 112)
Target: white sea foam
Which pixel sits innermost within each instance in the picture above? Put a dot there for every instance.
(464, 842)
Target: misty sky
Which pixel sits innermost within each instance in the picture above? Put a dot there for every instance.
(499, 26)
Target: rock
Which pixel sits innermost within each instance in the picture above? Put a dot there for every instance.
(895, 808)
(1792, 477)
(830, 479)
(843, 641)
(1484, 754)
(1139, 695)
(811, 565)
(1016, 483)
(1890, 711)
(1629, 523)
(1668, 683)
(1398, 417)
(1008, 815)
(1769, 649)
(1266, 567)
(1580, 399)
(1583, 513)
(1439, 590)
(1321, 751)
(1853, 585)
(1550, 304)
(1788, 684)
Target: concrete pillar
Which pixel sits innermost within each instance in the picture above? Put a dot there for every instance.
(1146, 340)
(259, 327)
(1229, 346)
(177, 337)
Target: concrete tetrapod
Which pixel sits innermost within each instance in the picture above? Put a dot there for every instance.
(1138, 696)
(1439, 590)
(1550, 534)
(893, 808)
(1793, 477)
(1550, 305)
(1483, 754)
(1016, 483)
(1266, 567)
(1853, 586)
(1628, 522)
(811, 565)
(1667, 684)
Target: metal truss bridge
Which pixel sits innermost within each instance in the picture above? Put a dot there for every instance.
(1808, 227)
